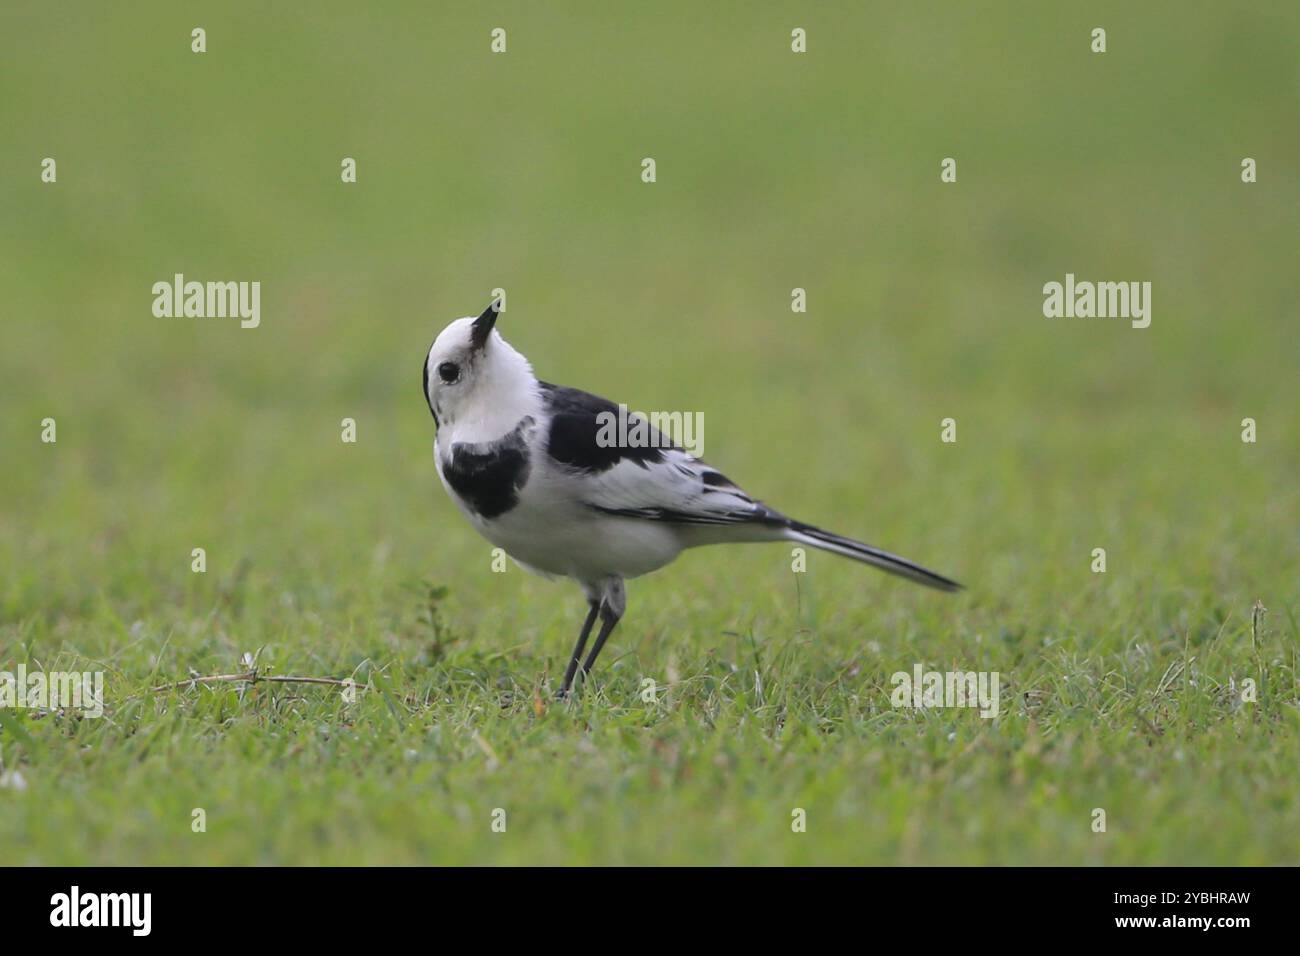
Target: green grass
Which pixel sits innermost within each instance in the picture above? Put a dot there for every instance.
(774, 171)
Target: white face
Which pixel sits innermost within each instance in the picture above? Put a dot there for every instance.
(480, 391)
(450, 370)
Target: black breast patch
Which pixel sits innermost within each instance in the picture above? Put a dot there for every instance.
(487, 476)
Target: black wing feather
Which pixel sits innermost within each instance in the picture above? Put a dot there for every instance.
(575, 425)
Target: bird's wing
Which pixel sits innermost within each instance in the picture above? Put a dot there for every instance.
(677, 488)
(657, 482)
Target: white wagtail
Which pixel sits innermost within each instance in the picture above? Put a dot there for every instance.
(526, 462)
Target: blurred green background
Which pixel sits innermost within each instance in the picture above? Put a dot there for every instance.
(775, 171)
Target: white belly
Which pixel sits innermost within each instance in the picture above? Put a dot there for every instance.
(587, 547)
(551, 533)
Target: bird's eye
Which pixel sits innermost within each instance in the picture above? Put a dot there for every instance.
(449, 372)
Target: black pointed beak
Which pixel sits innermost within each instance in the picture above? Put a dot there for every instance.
(482, 327)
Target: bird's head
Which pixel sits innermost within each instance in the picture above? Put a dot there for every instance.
(475, 378)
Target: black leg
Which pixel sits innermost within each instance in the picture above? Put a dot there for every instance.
(607, 623)
(577, 651)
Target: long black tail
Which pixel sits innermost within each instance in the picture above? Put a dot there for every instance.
(834, 543)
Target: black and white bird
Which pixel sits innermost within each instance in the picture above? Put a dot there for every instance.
(526, 463)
